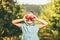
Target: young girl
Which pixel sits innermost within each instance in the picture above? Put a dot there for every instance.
(29, 29)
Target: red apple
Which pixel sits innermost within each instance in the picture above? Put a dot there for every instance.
(29, 16)
(32, 16)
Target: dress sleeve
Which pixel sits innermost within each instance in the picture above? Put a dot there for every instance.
(37, 26)
(23, 28)
(22, 25)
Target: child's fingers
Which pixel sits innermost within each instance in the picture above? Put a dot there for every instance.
(24, 18)
(36, 18)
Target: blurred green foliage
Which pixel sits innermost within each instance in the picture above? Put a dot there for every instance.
(51, 13)
(9, 10)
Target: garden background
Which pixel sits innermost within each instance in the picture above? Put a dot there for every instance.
(11, 10)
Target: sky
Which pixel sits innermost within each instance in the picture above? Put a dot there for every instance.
(41, 2)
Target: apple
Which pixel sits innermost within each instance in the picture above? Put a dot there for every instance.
(27, 16)
(30, 16)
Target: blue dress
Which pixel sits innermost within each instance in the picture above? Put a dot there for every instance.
(30, 31)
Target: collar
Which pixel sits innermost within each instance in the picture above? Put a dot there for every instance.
(29, 24)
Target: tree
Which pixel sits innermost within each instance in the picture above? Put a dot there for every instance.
(50, 13)
(9, 10)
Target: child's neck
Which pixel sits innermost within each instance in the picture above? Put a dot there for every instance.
(29, 24)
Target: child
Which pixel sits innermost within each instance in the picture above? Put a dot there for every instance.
(29, 29)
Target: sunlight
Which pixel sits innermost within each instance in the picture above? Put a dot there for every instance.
(41, 2)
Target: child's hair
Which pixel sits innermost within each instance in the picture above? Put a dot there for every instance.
(31, 12)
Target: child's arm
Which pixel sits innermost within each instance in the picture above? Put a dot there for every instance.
(43, 22)
(17, 22)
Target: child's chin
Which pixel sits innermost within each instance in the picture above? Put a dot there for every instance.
(30, 23)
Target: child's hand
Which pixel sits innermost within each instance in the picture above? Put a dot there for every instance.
(24, 19)
(36, 18)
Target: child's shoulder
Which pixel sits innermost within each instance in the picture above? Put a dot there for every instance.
(36, 24)
(22, 23)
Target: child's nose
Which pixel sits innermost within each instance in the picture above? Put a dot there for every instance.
(29, 20)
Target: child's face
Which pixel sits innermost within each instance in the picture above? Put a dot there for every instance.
(30, 18)
(30, 21)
